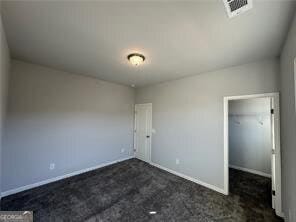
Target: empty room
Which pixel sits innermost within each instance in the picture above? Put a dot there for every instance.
(148, 110)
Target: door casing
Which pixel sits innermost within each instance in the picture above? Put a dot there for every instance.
(277, 149)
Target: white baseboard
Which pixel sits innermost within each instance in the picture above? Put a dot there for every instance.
(30, 186)
(250, 171)
(210, 186)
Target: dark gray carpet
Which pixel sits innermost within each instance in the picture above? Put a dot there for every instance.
(129, 190)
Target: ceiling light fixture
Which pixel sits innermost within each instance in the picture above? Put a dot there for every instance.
(136, 59)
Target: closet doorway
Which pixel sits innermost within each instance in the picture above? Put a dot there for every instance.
(252, 160)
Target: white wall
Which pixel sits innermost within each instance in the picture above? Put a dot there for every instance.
(250, 134)
(188, 116)
(288, 124)
(4, 72)
(73, 121)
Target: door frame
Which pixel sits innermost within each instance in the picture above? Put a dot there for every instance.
(276, 104)
(150, 129)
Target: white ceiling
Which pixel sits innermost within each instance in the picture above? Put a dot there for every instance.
(178, 38)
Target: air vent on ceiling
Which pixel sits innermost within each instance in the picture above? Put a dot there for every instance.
(236, 7)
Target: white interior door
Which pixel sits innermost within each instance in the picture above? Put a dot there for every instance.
(143, 125)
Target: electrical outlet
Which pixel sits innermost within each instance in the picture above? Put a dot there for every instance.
(122, 150)
(177, 161)
(51, 166)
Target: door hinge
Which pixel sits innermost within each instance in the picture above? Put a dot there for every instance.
(272, 151)
(272, 111)
(273, 193)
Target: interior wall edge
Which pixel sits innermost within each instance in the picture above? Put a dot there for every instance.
(288, 121)
(267, 59)
(4, 82)
(17, 59)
